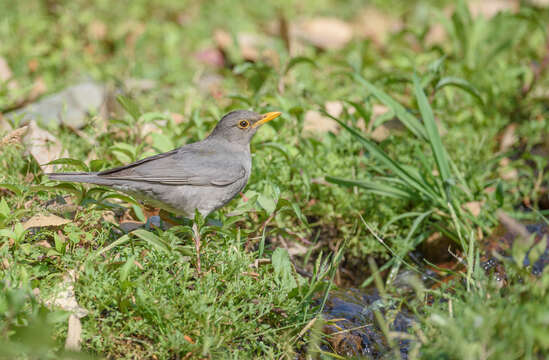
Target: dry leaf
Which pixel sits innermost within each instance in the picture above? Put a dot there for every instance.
(6, 75)
(541, 3)
(435, 35)
(14, 137)
(324, 32)
(508, 138)
(380, 133)
(212, 56)
(474, 207)
(505, 171)
(334, 108)
(97, 30)
(316, 122)
(375, 24)
(40, 220)
(33, 65)
(223, 39)
(65, 299)
(489, 8)
(43, 146)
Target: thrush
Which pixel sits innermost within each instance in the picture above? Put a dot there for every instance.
(202, 176)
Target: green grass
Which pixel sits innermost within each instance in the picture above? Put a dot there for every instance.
(142, 292)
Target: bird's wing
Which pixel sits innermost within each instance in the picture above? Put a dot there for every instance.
(183, 166)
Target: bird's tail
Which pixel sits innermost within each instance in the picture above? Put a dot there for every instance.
(82, 177)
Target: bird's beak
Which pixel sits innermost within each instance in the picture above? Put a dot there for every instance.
(266, 118)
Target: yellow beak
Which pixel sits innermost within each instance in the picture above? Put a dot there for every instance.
(266, 118)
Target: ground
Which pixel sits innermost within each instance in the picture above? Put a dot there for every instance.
(413, 135)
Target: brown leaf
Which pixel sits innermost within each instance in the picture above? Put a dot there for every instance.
(375, 25)
(324, 32)
(40, 220)
(474, 207)
(506, 172)
(65, 299)
(212, 56)
(508, 137)
(33, 65)
(97, 30)
(489, 8)
(540, 3)
(43, 146)
(14, 137)
(6, 76)
(435, 35)
(316, 122)
(334, 108)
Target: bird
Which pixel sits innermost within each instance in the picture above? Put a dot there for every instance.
(201, 176)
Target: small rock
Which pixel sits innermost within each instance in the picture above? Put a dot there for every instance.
(69, 107)
(324, 32)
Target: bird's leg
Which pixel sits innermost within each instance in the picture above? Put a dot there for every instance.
(196, 238)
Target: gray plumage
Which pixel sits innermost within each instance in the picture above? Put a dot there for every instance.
(204, 175)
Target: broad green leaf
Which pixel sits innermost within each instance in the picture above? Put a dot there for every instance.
(69, 161)
(17, 189)
(162, 142)
(152, 239)
(4, 208)
(130, 106)
(283, 268)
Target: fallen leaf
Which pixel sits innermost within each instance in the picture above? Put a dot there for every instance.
(435, 35)
(6, 76)
(506, 172)
(508, 137)
(223, 39)
(252, 46)
(324, 32)
(489, 8)
(33, 65)
(177, 118)
(44, 243)
(316, 122)
(474, 207)
(39, 221)
(212, 56)
(97, 30)
(14, 137)
(334, 108)
(380, 133)
(43, 146)
(65, 299)
(188, 338)
(375, 25)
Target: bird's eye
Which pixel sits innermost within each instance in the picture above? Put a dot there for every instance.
(243, 124)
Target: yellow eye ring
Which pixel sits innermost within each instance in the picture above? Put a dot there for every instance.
(243, 124)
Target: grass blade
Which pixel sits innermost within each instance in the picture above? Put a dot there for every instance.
(409, 178)
(432, 131)
(403, 115)
(373, 187)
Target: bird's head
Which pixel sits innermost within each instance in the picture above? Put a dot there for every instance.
(239, 126)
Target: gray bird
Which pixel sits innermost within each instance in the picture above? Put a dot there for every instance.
(201, 176)
(204, 175)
